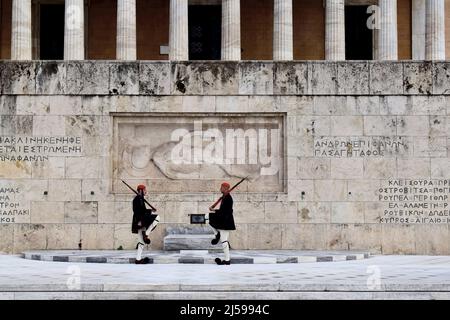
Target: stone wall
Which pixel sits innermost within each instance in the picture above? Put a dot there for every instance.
(352, 133)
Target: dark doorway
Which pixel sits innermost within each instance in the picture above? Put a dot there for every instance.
(51, 32)
(205, 29)
(358, 37)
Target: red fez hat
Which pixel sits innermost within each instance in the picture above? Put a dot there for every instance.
(141, 187)
(226, 185)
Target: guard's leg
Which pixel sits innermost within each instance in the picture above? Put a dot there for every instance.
(214, 229)
(225, 245)
(152, 226)
(216, 235)
(140, 244)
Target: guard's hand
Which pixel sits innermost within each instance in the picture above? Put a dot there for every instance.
(154, 210)
(211, 209)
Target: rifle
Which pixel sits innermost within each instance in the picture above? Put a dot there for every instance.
(153, 208)
(234, 187)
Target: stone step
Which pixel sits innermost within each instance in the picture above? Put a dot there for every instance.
(176, 242)
(194, 252)
(194, 256)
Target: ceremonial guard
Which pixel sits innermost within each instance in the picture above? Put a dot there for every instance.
(144, 222)
(222, 222)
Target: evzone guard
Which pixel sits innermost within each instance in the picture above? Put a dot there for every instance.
(222, 221)
(144, 221)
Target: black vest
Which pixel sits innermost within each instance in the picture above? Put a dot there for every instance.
(222, 219)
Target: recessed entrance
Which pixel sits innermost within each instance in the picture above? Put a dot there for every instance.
(51, 33)
(358, 37)
(205, 29)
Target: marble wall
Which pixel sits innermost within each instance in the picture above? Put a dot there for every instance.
(365, 152)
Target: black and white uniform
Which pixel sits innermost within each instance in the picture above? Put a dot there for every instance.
(143, 222)
(222, 221)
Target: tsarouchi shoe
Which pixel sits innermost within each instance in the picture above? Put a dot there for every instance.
(221, 262)
(146, 260)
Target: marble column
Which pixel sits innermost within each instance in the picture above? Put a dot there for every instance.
(74, 30)
(126, 30)
(231, 30)
(435, 30)
(179, 32)
(418, 29)
(283, 43)
(21, 42)
(335, 30)
(387, 38)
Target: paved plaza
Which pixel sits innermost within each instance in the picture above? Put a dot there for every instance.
(377, 277)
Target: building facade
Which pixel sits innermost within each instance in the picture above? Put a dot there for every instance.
(337, 111)
(300, 28)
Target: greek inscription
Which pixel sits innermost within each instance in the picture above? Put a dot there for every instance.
(415, 201)
(11, 208)
(347, 147)
(38, 149)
